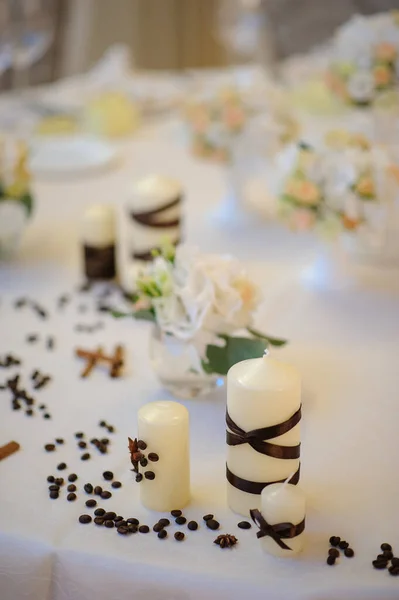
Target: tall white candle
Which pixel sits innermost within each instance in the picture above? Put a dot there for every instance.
(261, 392)
(98, 237)
(164, 427)
(283, 503)
(154, 214)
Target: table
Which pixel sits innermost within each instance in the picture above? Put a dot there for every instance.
(345, 344)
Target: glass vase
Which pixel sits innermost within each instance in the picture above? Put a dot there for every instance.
(177, 364)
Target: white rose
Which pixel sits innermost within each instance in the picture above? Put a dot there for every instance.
(361, 86)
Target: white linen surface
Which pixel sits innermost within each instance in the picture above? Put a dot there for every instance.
(345, 344)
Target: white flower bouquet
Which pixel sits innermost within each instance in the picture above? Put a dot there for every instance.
(205, 300)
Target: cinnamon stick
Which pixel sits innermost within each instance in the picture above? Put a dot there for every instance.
(8, 449)
(91, 362)
(118, 361)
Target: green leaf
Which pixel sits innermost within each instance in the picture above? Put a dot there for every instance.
(146, 314)
(219, 359)
(27, 201)
(120, 315)
(273, 341)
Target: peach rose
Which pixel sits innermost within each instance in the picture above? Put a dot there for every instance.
(305, 192)
(386, 52)
(349, 224)
(233, 117)
(336, 85)
(382, 76)
(365, 186)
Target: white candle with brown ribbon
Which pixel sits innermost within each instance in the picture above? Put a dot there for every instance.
(98, 237)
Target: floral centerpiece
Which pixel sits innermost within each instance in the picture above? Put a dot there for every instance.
(202, 306)
(365, 65)
(16, 200)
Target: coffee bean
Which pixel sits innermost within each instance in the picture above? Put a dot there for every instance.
(333, 552)
(46, 416)
(99, 521)
(94, 441)
(212, 524)
(88, 488)
(104, 441)
(99, 512)
(61, 466)
(109, 516)
(143, 462)
(133, 521)
(53, 487)
(153, 457)
(132, 528)
(108, 475)
(331, 560)
(71, 497)
(386, 546)
(85, 519)
(139, 477)
(59, 480)
(141, 445)
(180, 520)
(85, 456)
(388, 554)
(49, 447)
(122, 523)
(50, 478)
(31, 338)
(244, 525)
(163, 534)
(71, 487)
(79, 435)
(394, 571)
(72, 477)
(179, 536)
(118, 518)
(82, 444)
(29, 412)
(343, 545)
(59, 440)
(109, 524)
(144, 529)
(97, 490)
(334, 540)
(380, 564)
(54, 494)
(110, 429)
(105, 495)
(192, 525)
(149, 475)
(157, 527)
(395, 561)
(207, 517)
(349, 552)
(164, 522)
(116, 484)
(102, 424)
(176, 513)
(122, 530)
(381, 557)
(91, 503)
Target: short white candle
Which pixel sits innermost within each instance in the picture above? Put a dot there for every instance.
(148, 195)
(164, 427)
(283, 503)
(260, 392)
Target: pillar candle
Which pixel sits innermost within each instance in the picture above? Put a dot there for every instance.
(261, 392)
(283, 503)
(154, 209)
(98, 237)
(164, 427)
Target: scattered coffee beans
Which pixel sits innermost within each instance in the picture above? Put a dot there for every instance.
(97, 490)
(49, 447)
(105, 495)
(164, 522)
(212, 524)
(157, 527)
(50, 478)
(54, 494)
(141, 445)
(331, 560)
(99, 512)
(388, 554)
(82, 444)
(176, 513)
(192, 525)
(149, 475)
(144, 529)
(133, 521)
(79, 435)
(393, 571)
(71, 487)
(153, 457)
(109, 516)
(139, 477)
(108, 475)
(85, 456)
(179, 536)
(98, 520)
(334, 540)
(244, 525)
(386, 546)
(85, 519)
(88, 488)
(207, 517)
(59, 480)
(53, 487)
(163, 534)
(59, 440)
(380, 564)
(333, 552)
(72, 477)
(91, 503)
(109, 524)
(116, 484)
(349, 553)
(71, 497)
(343, 545)
(61, 466)
(180, 520)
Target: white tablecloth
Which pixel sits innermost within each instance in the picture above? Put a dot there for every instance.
(345, 344)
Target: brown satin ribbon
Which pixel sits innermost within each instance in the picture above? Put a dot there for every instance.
(255, 487)
(277, 532)
(150, 218)
(99, 262)
(255, 438)
(148, 255)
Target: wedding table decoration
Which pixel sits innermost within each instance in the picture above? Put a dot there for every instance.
(198, 303)
(16, 196)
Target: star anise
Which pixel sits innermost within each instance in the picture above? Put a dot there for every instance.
(226, 540)
(135, 454)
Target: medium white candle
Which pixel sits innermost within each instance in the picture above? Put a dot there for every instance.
(150, 221)
(164, 427)
(283, 503)
(98, 237)
(261, 392)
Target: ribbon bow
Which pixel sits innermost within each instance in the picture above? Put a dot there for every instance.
(276, 532)
(255, 438)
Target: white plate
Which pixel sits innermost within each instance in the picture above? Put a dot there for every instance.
(75, 155)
